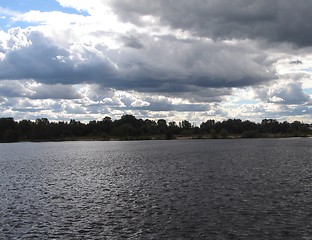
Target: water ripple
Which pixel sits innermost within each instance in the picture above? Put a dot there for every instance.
(219, 189)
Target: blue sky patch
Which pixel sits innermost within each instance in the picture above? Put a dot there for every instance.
(39, 5)
(26, 6)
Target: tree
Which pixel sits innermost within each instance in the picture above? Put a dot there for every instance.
(40, 130)
(207, 126)
(25, 127)
(7, 124)
(10, 136)
(131, 127)
(269, 126)
(149, 127)
(224, 133)
(125, 130)
(186, 124)
(250, 134)
(162, 125)
(174, 128)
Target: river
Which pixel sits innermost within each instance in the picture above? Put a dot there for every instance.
(192, 189)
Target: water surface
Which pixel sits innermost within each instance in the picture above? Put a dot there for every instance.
(201, 189)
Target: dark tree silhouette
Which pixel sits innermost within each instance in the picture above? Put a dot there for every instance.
(9, 131)
(128, 127)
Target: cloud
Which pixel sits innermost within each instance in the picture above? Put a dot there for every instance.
(132, 42)
(81, 5)
(33, 90)
(49, 63)
(163, 65)
(160, 104)
(51, 18)
(160, 59)
(288, 93)
(296, 62)
(291, 94)
(160, 107)
(14, 89)
(135, 101)
(57, 91)
(33, 106)
(75, 109)
(200, 95)
(277, 21)
(8, 12)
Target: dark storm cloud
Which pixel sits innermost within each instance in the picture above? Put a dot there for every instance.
(276, 21)
(171, 65)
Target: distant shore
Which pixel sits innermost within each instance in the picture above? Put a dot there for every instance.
(159, 138)
(129, 128)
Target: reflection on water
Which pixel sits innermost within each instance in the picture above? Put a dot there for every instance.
(210, 189)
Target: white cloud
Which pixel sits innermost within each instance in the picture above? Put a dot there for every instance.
(140, 103)
(8, 12)
(286, 92)
(51, 18)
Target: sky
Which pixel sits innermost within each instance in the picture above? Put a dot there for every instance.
(160, 59)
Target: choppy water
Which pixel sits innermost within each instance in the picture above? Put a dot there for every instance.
(205, 189)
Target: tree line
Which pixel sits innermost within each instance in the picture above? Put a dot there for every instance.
(128, 127)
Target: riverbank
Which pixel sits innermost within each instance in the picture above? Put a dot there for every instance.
(162, 137)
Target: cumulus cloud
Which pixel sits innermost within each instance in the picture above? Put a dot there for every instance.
(14, 89)
(288, 93)
(163, 65)
(48, 63)
(22, 105)
(291, 94)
